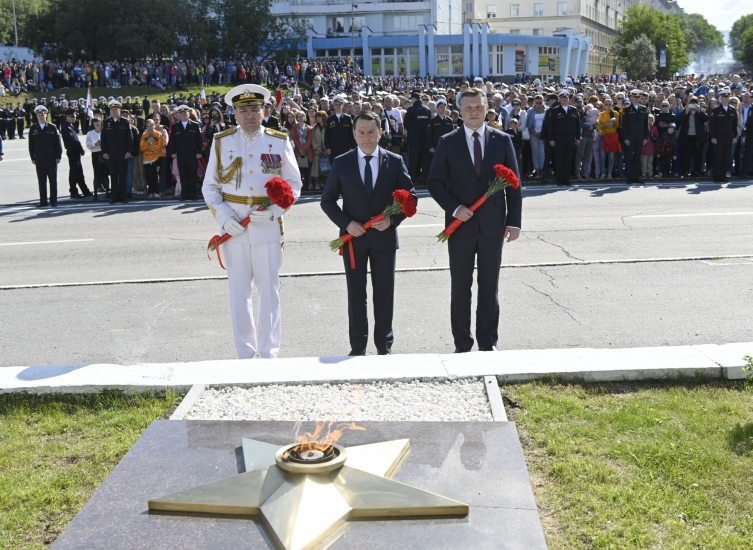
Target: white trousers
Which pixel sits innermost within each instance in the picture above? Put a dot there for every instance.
(248, 266)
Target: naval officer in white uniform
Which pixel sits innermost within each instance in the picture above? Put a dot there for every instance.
(242, 160)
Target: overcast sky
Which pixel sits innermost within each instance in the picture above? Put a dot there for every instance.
(720, 13)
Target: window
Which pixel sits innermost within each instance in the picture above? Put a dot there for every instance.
(469, 6)
(449, 60)
(515, 31)
(404, 22)
(496, 59)
(538, 32)
(538, 10)
(561, 8)
(491, 12)
(514, 10)
(358, 22)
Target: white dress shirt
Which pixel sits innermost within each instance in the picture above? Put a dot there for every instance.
(185, 124)
(374, 166)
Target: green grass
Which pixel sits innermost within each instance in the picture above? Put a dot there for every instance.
(640, 466)
(54, 453)
(132, 91)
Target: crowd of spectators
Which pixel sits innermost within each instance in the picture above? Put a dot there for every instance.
(678, 146)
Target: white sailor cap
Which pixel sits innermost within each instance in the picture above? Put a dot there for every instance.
(40, 109)
(339, 98)
(478, 79)
(441, 101)
(636, 92)
(564, 92)
(182, 108)
(724, 91)
(247, 94)
(114, 103)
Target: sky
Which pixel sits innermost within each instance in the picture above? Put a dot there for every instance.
(720, 13)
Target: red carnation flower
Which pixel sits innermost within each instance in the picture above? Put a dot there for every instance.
(280, 192)
(508, 175)
(405, 199)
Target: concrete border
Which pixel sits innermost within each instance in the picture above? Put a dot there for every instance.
(510, 366)
(193, 395)
(494, 396)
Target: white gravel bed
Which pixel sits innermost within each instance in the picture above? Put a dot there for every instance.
(460, 400)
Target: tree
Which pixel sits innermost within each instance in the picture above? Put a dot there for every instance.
(641, 58)
(662, 30)
(24, 10)
(702, 37)
(739, 28)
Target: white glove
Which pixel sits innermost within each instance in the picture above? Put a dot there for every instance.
(262, 216)
(233, 227)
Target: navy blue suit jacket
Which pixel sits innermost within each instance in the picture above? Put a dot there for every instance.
(453, 182)
(345, 180)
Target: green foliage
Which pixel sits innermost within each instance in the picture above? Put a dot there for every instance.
(700, 35)
(635, 466)
(24, 10)
(640, 61)
(662, 30)
(736, 35)
(157, 29)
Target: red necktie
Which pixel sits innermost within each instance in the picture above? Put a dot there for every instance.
(477, 154)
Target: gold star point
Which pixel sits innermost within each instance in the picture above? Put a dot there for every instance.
(301, 509)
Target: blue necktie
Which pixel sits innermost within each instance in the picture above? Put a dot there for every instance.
(368, 178)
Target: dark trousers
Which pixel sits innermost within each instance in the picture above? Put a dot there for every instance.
(76, 174)
(187, 168)
(101, 174)
(722, 154)
(152, 178)
(691, 151)
(464, 253)
(20, 124)
(11, 124)
(47, 170)
(118, 172)
(548, 154)
(747, 156)
(383, 288)
(564, 152)
(427, 158)
(416, 161)
(666, 165)
(633, 153)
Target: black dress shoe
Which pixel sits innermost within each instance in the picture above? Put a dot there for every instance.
(460, 350)
(88, 194)
(41, 204)
(384, 351)
(75, 196)
(54, 204)
(493, 348)
(357, 352)
(113, 201)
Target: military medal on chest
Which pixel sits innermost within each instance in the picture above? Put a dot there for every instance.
(270, 163)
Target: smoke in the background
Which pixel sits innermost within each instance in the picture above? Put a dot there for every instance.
(717, 62)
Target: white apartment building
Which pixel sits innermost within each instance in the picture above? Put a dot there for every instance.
(597, 19)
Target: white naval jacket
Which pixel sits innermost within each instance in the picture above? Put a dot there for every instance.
(248, 178)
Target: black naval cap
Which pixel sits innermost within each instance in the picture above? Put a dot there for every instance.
(70, 112)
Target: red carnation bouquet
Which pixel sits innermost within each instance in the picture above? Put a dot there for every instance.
(404, 203)
(505, 178)
(279, 192)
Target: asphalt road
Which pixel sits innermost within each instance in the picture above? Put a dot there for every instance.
(590, 305)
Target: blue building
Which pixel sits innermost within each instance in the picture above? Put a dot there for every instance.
(475, 52)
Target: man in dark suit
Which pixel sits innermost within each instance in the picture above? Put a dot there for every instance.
(74, 151)
(186, 144)
(338, 131)
(415, 122)
(634, 135)
(461, 171)
(117, 148)
(270, 121)
(366, 178)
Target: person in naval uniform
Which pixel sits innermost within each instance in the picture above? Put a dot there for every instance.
(242, 159)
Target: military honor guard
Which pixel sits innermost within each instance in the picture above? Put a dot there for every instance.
(723, 134)
(10, 121)
(416, 121)
(20, 120)
(186, 145)
(117, 148)
(439, 125)
(634, 134)
(338, 131)
(564, 135)
(74, 150)
(45, 151)
(242, 160)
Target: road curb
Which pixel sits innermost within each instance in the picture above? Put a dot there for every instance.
(714, 362)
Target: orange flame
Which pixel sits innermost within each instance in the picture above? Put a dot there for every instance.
(320, 440)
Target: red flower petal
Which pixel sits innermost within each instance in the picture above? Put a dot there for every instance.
(280, 192)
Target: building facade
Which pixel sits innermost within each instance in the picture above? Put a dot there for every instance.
(597, 19)
(476, 51)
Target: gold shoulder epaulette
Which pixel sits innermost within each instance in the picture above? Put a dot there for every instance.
(227, 132)
(276, 133)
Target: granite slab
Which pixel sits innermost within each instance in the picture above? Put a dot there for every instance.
(478, 463)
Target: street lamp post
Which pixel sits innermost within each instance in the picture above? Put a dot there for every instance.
(353, 6)
(15, 26)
